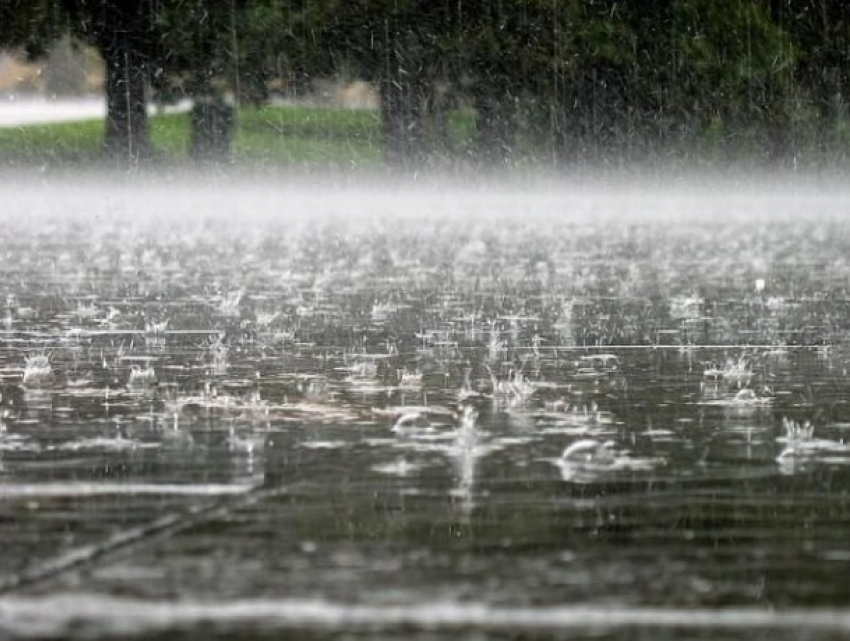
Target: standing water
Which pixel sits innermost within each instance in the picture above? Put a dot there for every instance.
(272, 412)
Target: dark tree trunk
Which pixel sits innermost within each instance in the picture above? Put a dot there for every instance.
(126, 137)
(212, 130)
(830, 111)
(436, 107)
(779, 138)
(124, 34)
(212, 117)
(494, 123)
(402, 116)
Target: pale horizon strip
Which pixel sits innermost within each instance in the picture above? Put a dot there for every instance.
(68, 490)
(99, 615)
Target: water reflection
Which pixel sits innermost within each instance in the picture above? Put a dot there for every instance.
(465, 450)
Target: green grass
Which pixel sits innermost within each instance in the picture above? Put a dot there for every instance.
(77, 141)
(323, 137)
(170, 135)
(273, 135)
(297, 135)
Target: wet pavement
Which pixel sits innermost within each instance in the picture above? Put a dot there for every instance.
(511, 416)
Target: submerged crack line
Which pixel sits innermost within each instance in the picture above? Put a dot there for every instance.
(164, 526)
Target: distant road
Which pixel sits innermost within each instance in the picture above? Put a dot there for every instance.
(18, 111)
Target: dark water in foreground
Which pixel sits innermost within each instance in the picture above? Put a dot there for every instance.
(564, 417)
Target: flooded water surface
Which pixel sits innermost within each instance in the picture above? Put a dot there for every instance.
(256, 412)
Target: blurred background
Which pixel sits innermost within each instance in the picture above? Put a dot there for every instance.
(410, 83)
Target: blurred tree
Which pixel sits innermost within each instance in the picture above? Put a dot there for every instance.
(401, 46)
(31, 25)
(645, 74)
(820, 32)
(278, 46)
(142, 43)
(195, 50)
(124, 34)
(732, 65)
(121, 31)
(572, 77)
(66, 67)
(511, 61)
(612, 56)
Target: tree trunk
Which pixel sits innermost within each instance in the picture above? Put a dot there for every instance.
(126, 137)
(830, 112)
(212, 130)
(436, 109)
(212, 117)
(402, 104)
(494, 123)
(779, 138)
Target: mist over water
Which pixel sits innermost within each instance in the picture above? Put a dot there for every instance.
(669, 194)
(503, 406)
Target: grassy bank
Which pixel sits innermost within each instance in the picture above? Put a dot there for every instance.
(274, 135)
(344, 139)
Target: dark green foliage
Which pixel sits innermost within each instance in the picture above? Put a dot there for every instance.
(564, 80)
(31, 25)
(820, 31)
